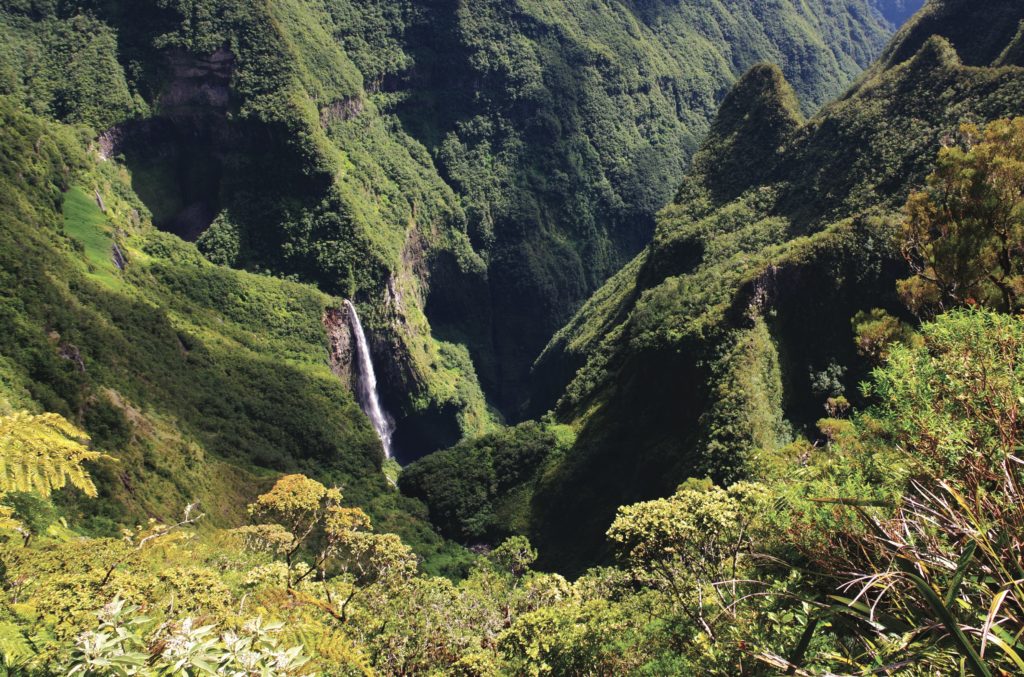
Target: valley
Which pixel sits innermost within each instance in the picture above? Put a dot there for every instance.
(430, 337)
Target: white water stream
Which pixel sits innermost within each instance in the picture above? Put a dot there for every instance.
(366, 390)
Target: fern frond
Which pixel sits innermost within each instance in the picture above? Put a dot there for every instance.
(43, 453)
(15, 649)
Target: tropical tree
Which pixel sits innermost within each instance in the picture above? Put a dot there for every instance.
(964, 234)
(289, 516)
(39, 454)
(515, 555)
(305, 518)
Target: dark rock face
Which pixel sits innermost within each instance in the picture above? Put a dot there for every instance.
(197, 84)
(195, 101)
(178, 157)
(425, 432)
(177, 166)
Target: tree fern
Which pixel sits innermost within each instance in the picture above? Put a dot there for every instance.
(15, 649)
(42, 453)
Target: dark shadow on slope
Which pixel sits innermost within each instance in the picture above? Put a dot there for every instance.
(638, 449)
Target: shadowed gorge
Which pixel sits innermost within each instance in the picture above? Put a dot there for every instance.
(492, 166)
(511, 337)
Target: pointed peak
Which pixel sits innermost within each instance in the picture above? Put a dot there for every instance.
(761, 90)
(935, 52)
(754, 122)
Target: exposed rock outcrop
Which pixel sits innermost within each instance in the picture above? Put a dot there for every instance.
(339, 343)
(197, 84)
(341, 111)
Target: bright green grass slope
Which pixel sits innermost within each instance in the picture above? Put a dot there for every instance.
(87, 226)
(203, 382)
(734, 326)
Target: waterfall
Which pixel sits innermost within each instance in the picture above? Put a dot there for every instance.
(366, 390)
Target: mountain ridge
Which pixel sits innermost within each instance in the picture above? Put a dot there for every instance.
(704, 323)
(489, 167)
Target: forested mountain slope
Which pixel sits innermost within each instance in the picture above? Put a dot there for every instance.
(249, 127)
(565, 125)
(469, 173)
(729, 332)
(203, 383)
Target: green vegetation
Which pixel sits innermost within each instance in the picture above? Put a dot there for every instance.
(254, 119)
(87, 227)
(732, 330)
(785, 436)
(489, 166)
(67, 70)
(201, 381)
(44, 453)
(964, 236)
(478, 489)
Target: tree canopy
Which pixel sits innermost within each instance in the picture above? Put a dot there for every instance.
(964, 235)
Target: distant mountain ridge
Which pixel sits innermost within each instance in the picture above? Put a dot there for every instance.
(899, 11)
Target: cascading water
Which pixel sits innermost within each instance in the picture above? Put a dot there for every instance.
(366, 389)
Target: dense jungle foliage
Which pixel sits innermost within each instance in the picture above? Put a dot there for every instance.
(486, 165)
(732, 328)
(784, 438)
